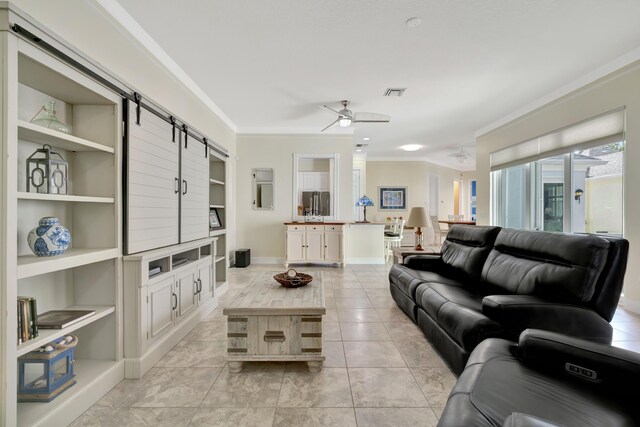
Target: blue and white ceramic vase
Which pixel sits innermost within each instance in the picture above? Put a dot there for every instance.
(49, 238)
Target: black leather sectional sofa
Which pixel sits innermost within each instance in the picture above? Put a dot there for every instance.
(545, 380)
(494, 282)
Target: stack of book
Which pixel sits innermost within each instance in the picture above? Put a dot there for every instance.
(27, 319)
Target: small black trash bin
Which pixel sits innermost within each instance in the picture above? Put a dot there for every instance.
(243, 258)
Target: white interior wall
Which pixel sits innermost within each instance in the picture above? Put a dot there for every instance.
(414, 176)
(262, 230)
(620, 89)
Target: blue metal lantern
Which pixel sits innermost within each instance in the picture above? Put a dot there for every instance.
(47, 172)
(43, 375)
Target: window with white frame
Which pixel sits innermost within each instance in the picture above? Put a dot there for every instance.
(575, 185)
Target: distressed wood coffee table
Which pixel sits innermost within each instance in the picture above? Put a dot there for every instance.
(268, 322)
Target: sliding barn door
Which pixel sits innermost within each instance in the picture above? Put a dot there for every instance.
(194, 205)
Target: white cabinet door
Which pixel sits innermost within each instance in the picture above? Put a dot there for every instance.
(333, 246)
(161, 302)
(186, 289)
(314, 245)
(295, 246)
(152, 184)
(194, 202)
(204, 281)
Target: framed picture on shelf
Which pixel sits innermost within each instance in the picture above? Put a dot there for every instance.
(214, 219)
(392, 198)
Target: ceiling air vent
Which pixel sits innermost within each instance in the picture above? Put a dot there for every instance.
(395, 91)
(361, 145)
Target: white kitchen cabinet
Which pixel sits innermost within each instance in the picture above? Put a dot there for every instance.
(161, 305)
(314, 243)
(187, 292)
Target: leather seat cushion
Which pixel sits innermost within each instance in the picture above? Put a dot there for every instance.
(407, 279)
(458, 312)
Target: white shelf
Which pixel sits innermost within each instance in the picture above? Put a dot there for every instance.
(219, 258)
(47, 335)
(64, 198)
(89, 373)
(217, 206)
(42, 135)
(32, 265)
(215, 181)
(213, 233)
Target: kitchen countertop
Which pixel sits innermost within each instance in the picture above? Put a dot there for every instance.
(333, 223)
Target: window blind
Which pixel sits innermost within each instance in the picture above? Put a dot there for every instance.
(604, 129)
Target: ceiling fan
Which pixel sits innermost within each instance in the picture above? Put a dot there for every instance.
(346, 117)
(461, 155)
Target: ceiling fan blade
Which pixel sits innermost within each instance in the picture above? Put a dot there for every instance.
(336, 121)
(330, 109)
(371, 118)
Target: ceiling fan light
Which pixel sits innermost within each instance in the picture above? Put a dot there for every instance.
(344, 122)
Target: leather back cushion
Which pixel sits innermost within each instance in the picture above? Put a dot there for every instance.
(466, 248)
(565, 267)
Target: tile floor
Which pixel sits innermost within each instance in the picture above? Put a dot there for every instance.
(380, 370)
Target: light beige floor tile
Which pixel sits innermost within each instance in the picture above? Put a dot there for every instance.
(618, 335)
(393, 314)
(258, 386)
(334, 353)
(385, 388)
(193, 354)
(629, 345)
(378, 293)
(353, 303)
(118, 417)
(347, 284)
(175, 387)
(349, 293)
(403, 331)
(328, 388)
(375, 284)
(331, 332)
(436, 384)
(234, 417)
(419, 354)
(383, 302)
(395, 417)
(629, 328)
(437, 410)
(314, 417)
(331, 316)
(373, 354)
(209, 331)
(358, 315)
(364, 331)
(329, 302)
(125, 391)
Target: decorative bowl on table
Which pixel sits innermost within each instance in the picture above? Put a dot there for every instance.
(293, 279)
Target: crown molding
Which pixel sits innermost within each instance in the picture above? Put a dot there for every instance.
(293, 131)
(591, 77)
(131, 26)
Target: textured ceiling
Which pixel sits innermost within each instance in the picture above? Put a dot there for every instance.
(269, 64)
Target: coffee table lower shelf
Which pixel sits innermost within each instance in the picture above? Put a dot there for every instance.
(314, 362)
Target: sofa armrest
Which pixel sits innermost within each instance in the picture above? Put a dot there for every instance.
(424, 262)
(594, 363)
(519, 312)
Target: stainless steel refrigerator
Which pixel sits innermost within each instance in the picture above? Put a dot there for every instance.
(316, 203)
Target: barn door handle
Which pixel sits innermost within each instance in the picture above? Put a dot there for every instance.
(177, 185)
(184, 181)
(175, 301)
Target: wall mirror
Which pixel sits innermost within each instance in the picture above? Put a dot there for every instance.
(263, 190)
(315, 186)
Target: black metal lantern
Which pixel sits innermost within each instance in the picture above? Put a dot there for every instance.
(47, 172)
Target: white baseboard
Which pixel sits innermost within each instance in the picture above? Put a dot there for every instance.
(372, 260)
(267, 260)
(630, 305)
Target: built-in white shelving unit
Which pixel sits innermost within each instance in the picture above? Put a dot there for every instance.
(89, 274)
(218, 201)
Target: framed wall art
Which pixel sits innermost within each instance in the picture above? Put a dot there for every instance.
(392, 198)
(214, 219)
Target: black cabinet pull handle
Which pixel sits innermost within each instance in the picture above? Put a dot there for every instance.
(195, 282)
(200, 287)
(177, 186)
(175, 302)
(184, 181)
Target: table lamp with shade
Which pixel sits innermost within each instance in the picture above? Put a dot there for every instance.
(364, 201)
(418, 218)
